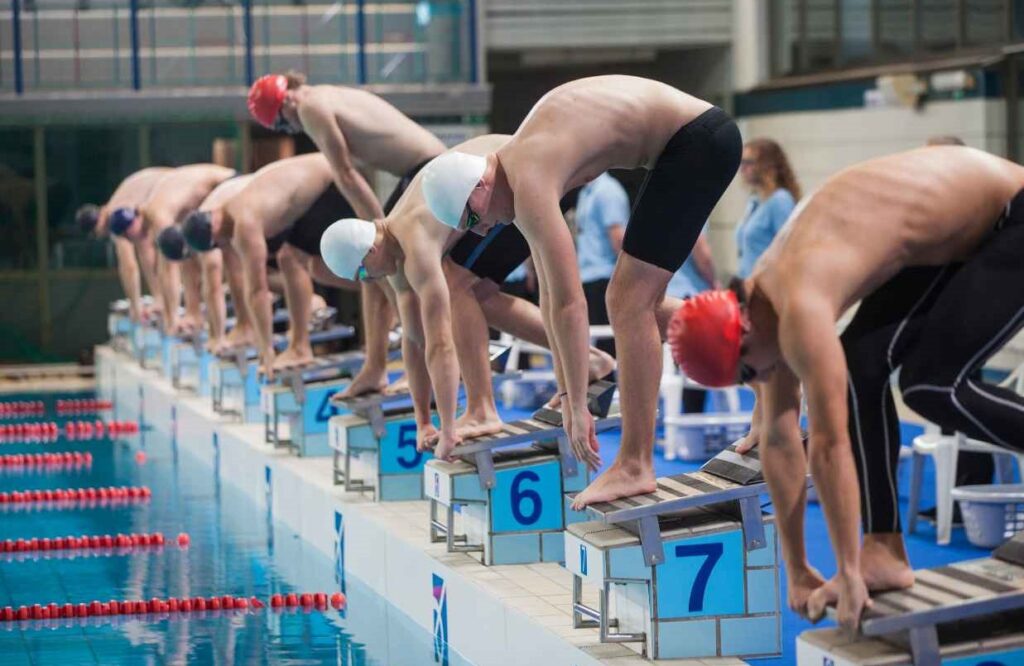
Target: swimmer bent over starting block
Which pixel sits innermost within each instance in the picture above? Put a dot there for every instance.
(930, 241)
(576, 132)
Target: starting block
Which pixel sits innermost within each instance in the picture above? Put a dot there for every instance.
(545, 425)
(119, 325)
(375, 443)
(379, 457)
(297, 408)
(518, 520)
(968, 614)
(711, 597)
(235, 381)
(190, 366)
(147, 343)
(729, 480)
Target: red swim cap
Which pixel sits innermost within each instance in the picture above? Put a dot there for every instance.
(266, 98)
(705, 337)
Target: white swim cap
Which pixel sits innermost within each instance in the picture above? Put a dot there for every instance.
(447, 183)
(344, 245)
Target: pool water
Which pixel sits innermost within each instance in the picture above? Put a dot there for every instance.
(235, 549)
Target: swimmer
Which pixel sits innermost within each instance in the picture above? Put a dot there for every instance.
(929, 242)
(91, 219)
(282, 210)
(211, 267)
(446, 284)
(173, 196)
(349, 126)
(577, 131)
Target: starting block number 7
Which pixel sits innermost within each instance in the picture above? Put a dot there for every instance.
(711, 552)
(712, 569)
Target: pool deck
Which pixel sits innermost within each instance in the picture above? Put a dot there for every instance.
(495, 615)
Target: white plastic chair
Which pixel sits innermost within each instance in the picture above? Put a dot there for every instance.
(944, 450)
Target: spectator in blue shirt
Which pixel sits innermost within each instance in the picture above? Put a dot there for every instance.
(602, 212)
(765, 169)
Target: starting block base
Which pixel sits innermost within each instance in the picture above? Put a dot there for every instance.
(520, 520)
(834, 647)
(234, 393)
(389, 467)
(300, 422)
(710, 597)
(190, 368)
(147, 344)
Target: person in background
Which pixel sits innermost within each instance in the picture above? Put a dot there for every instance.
(602, 212)
(775, 191)
(944, 140)
(696, 275)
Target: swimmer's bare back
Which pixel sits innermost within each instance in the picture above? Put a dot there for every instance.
(280, 193)
(587, 126)
(925, 207)
(377, 134)
(180, 192)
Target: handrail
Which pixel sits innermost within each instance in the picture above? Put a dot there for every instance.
(364, 42)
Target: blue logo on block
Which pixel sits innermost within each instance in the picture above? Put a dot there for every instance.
(268, 489)
(339, 552)
(437, 484)
(583, 559)
(440, 621)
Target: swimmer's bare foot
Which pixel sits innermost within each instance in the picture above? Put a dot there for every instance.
(365, 381)
(601, 365)
(884, 563)
(619, 480)
(801, 584)
(400, 385)
(240, 336)
(469, 426)
(292, 358)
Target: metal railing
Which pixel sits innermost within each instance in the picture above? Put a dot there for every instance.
(139, 44)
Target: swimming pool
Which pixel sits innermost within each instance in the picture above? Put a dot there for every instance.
(235, 549)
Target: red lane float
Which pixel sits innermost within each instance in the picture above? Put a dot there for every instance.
(19, 408)
(70, 495)
(63, 460)
(170, 605)
(94, 541)
(78, 406)
(49, 431)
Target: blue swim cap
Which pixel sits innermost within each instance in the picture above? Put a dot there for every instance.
(121, 219)
(198, 230)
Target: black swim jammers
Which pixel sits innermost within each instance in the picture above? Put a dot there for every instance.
(678, 194)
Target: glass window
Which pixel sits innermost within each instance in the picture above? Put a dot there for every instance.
(895, 25)
(938, 24)
(985, 22)
(819, 35)
(84, 165)
(17, 199)
(785, 42)
(855, 25)
(177, 144)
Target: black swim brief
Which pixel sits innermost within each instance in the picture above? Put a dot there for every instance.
(402, 186)
(493, 256)
(678, 194)
(329, 207)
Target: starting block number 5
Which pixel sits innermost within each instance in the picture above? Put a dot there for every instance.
(711, 568)
(527, 499)
(398, 454)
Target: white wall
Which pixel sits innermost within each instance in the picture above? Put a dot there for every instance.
(820, 143)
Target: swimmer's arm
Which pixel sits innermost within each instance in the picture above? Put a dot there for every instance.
(427, 279)
(412, 354)
(809, 343)
(211, 264)
(236, 285)
(332, 144)
(784, 462)
(128, 272)
(551, 246)
(252, 250)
